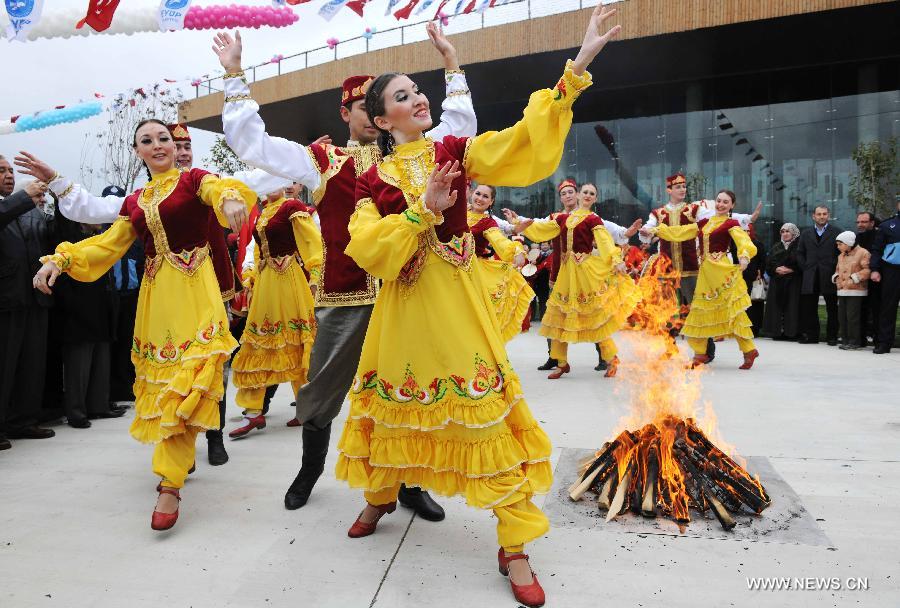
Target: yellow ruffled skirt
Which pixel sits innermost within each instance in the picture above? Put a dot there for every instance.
(720, 301)
(435, 402)
(180, 346)
(510, 295)
(589, 302)
(278, 338)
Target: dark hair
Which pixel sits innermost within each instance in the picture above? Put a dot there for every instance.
(146, 121)
(825, 207)
(491, 188)
(730, 194)
(375, 107)
(871, 215)
(596, 189)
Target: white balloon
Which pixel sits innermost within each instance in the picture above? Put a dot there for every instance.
(61, 24)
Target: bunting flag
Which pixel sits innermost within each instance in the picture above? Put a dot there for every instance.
(470, 7)
(23, 15)
(357, 6)
(405, 12)
(331, 8)
(424, 6)
(172, 14)
(99, 15)
(439, 14)
(390, 7)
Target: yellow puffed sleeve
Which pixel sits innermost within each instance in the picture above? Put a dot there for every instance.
(90, 259)
(745, 246)
(606, 247)
(676, 234)
(542, 231)
(309, 243)
(382, 245)
(531, 149)
(215, 190)
(505, 248)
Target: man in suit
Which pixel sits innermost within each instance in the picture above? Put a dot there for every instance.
(817, 257)
(24, 237)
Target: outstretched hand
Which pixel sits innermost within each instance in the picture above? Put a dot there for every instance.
(445, 47)
(235, 212)
(46, 278)
(594, 38)
(228, 50)
(33, 166)
(324, 140)
(437, 193)
(635, 226)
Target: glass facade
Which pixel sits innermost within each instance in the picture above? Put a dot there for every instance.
(791, 155)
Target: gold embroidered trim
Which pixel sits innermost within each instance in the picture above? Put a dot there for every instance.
(345, 298)
(458, 93)
(363, 202)
(230, 75)
(227, 295)
(452, 72)
(243, 97)
(411, 271)
(186, 261)
(363, 156)
(262, 221)
(67, 191)
(465, 161)
(279, 264)
(152, 196)
(301, 214)
(459, 250)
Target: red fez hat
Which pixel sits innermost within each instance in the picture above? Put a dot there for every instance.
(566, 183)
(179, 132)
(677, 178)
(355, 88)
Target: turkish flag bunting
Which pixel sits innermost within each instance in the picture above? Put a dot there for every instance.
(470, 7)
(404, 12)
(99, 15)
(357, 6)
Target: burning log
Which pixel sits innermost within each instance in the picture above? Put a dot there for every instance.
(672, 466)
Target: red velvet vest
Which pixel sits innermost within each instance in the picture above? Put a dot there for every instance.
(684, 254)
(719, 240)
(580, 239)
(275, 241)
(483, 247)
(343, 282)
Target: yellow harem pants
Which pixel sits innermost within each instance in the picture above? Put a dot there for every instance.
(698, 345)
(518, 522)
(174, 456)
(560, 350)
(251, 399)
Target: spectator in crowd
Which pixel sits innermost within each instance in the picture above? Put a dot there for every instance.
(87, 315)
(817, 257)
(781, 320)
(752, 272)
(126, 276)
(24, 237)
(866, 229)
(885, 266)
(851, 278)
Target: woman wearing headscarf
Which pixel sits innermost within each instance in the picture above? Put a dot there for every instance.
(781, 320)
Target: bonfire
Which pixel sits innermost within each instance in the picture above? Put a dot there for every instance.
(667, 464)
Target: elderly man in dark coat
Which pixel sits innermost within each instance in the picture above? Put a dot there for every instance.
(24, 237)
(817, 257)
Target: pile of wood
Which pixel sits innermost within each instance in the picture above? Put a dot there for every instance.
(669, 467)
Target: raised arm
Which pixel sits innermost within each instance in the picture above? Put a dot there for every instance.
(505, 248)
(674, 234)
(745, 247)
(531, 149)
(245, 131)
(457, 112)
(14, 205)
(230, 198)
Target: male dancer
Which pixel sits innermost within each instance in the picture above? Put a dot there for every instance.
(684, 255)
(345, 294)
(568, 197)
(79, 205)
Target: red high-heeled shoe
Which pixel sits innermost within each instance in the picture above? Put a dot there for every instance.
(293, 422)
(257, 422)
(612, 366)
(360, 529)
(164, 521)
(749, 358)
(699, 361)
(558, 372)
(531, 595)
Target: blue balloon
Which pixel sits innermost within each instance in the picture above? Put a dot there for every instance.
(60, 116)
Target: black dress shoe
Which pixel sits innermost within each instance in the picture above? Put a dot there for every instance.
(112, 413)
(215, 448)
(550, 364)
(5, 443)
(881, 350)
(79, 423)
(601, 366)
(419, 501)
(31, 432)
(832, 343)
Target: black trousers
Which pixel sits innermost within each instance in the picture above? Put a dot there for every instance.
(86, 373)
(890, 298)
(871, 306)
(850, 308)
(121, 369)
(809, 314)
(23, 360)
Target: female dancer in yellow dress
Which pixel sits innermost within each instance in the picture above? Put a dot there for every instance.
(510, 293)
(435, 402)
(281, 325)
(181, 337)
(721, 297)
(593, 295)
